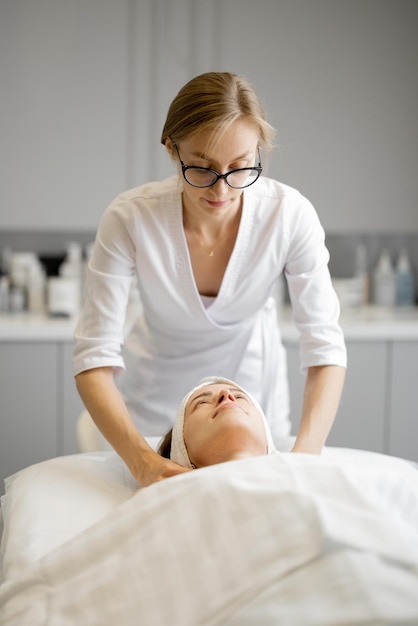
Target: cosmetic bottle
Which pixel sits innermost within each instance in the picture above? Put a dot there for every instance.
(4, 293)
(36, 286)
(384, 282)
(62, 297)
(72, 271)
(362, 276)
(405, 283)
(18, 275)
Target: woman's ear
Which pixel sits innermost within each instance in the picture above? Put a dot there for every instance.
(170, 148)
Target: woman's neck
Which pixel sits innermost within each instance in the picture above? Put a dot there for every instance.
(211, 229)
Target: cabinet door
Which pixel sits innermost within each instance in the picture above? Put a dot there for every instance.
(360, 422)
(28, 401)
(403, 414)
(361, 415)
(70, 402)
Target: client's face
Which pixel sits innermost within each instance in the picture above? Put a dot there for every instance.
(221, 423)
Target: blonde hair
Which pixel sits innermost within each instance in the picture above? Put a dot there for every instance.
(215, 100)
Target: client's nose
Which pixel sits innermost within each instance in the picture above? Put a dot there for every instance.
(225, 394)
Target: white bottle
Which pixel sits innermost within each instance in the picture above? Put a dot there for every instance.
(72, 271)
(18, 296)
(361, 277)
(405, 283)
(72, 265)
(36, 288)
(62, 296)
(384, 282)
(4, 294)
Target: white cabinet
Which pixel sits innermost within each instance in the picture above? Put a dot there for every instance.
(70, 405)
(361, 415)
(28, 392)
(403, 400)
(38, 402)
(378, 409)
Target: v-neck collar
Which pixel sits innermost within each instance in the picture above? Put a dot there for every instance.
(231, 274)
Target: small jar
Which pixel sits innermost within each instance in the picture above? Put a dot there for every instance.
(63, 298)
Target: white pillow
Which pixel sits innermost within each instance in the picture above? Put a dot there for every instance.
(47, 504)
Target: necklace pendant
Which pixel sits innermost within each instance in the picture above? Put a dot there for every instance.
(211, 253)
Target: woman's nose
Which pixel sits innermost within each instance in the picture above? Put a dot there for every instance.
(220, 188)
(224, 395)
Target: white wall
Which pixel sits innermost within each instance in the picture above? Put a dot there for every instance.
(341, 84)
(86, 85)
(63, 69)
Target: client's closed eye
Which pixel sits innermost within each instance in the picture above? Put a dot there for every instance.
(241, 396)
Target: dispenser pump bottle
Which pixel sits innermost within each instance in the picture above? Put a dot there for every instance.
(405, 283)
(384, 285)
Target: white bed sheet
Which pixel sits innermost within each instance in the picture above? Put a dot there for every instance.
(284, 539)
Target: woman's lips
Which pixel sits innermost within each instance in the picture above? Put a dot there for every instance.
(216, 205)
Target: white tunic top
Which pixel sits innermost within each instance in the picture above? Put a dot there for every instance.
(178, 339)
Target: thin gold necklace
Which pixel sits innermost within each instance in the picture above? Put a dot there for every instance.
(212, 250)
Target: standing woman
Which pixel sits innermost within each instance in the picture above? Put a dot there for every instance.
(207, 247)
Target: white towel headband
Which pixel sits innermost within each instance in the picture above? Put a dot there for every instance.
(178, 447)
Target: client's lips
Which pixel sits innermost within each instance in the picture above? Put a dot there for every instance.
(227, 405)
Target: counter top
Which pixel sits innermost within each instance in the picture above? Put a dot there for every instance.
(36, 327)
(369, 323)
(362, 324)
(380, 323)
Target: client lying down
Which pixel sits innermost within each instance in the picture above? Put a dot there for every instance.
(265, 538)
(217, 421)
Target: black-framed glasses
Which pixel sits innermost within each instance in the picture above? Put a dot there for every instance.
(206, 177)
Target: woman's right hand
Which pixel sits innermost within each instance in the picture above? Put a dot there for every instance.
(108, 410)
(153, 468)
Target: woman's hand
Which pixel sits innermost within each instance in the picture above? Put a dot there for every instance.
(153, 468)
(108, 410)
(324, 385)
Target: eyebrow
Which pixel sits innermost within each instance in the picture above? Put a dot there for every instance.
(203, 394)
(206, 394)
(204, 157)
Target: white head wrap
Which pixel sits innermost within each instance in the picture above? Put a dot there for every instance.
(178, 447)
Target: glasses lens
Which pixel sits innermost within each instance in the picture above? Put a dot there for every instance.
(242, 178)
(199, 176)
(205, 177)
